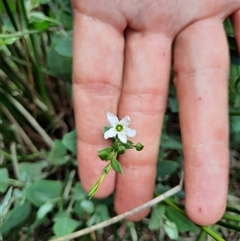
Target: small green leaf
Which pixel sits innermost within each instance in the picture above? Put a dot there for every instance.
(44, 210)
(79, 192)
(87, 206)
(106, 153)
(116, 166)
(3, 179)
(16, 216)
(182, 222)
(156, 217)
(64, 46)
(43, 191)
(70, 141)
(31, 171)
(57, 155)
(64, 226)
(5, 203)
(165, 168)
(171, 230)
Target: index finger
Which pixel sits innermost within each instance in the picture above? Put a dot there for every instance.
(97, 71)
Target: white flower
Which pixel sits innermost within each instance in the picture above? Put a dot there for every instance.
(119, 128)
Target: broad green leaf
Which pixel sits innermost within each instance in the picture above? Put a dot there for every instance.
(79, 192)
(171, 230)
(3, 179)
(16, 216)
(64, 46)
(102, 211)
(43, 191)
(31, 171)
(70, 141)
(57, 155)
(64, 226)
(116, 165)
(166, 168)
(58, 64)
(182, 222)
(44, 210)
(87, 206)
(156, 217)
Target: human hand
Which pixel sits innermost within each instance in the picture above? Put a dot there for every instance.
(121, 63)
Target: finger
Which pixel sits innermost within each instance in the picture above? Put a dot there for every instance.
(201, 66)
(97, 72)
(144, 94)
(236, 25)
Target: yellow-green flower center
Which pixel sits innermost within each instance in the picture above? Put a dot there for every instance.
(119, 128)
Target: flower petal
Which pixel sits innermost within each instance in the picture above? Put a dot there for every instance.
(110, 133)
(125, 121)
(130, 132)
(113, 120)
(122, 137)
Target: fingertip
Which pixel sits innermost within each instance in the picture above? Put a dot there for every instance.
(203, 213)
(235, 18)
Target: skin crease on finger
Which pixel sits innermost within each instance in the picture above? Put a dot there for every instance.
(102, 49)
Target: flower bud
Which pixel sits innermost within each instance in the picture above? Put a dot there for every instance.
(106, 153)
(139, 146)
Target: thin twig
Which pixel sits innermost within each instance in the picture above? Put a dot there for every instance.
(120, 217)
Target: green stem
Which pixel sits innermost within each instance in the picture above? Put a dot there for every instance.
(37, 64)
(201, 236)
(15, 183)
(232, 209)
(9, 12)
(204, 228)
(231, 217)
(228, 225)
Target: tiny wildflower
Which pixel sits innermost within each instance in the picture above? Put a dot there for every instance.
(119, 147)
(119, 128)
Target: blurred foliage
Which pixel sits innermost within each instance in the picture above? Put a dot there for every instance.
(41, 196)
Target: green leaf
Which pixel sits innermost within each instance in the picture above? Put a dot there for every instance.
(43, 191)
(57, 155)
(64, 46)
(4, 179)
(31, 171)
(166, 168)
(87, 206)
(182, 222)
(156, 217)
(16, 216)
(70, 141)
(173, 104)
(79, 192)
(116, 166)
(5, 203)
(58, 64)
(44, 210)
(64, 226)
(170, 142)
(171, 230)
(102, 211)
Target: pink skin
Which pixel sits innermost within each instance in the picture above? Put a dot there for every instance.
(122, 57)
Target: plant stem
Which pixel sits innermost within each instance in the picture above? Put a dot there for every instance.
(204, 228)
(228, 216)
(229, 225)
(5, 3)
(32, 121)
(37, 65)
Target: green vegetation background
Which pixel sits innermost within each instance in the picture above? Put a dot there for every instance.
(41, 196)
